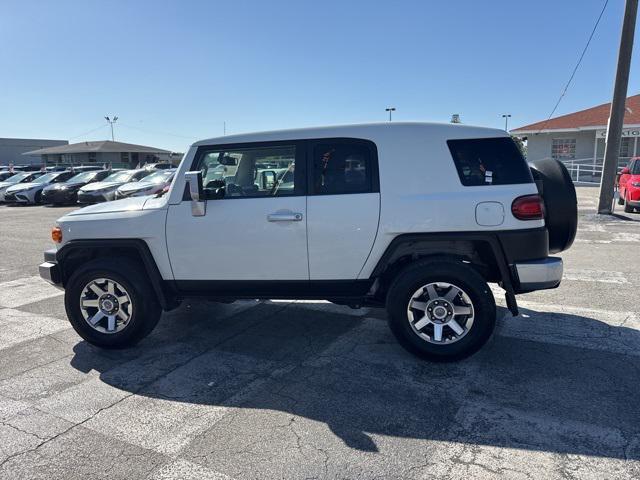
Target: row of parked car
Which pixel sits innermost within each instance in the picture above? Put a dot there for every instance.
(82, 184)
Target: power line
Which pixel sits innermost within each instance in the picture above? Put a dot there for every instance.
(584, 50)
(88, 132)
(155, 132)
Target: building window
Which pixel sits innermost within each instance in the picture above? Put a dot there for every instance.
(563, 148)
(124, 157)
(626, 147)
(92, 156)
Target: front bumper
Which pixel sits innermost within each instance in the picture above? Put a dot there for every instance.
(88, 197)
(59, 196)
(539, 274)
(50, 270)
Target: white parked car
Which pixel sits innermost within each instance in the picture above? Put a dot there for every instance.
(15, 179)
(106, 189)
(414, 217)
(31, 192)
(149, 185)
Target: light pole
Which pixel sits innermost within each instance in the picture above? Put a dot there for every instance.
(390, 109)
(506, 117)
(111, 122)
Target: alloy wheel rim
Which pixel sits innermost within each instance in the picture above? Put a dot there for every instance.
(440, 313)
(106, 305)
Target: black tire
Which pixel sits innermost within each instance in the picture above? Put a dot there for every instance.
(146, 309)
(463, 276)
(37, 198)
(627, 207)
(620, 200)
(560, 202)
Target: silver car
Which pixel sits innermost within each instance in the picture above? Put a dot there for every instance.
(105, 190)
(20, 177)
(149, 185)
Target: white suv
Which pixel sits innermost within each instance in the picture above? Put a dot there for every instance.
(414, 217)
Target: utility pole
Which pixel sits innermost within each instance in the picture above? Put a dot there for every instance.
(616, 117)
(111, 122)
(224, 128)
(506, 117)
(390, 109)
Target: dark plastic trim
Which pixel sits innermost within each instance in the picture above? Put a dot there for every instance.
(165, 298)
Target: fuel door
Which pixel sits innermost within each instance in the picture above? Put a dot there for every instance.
(489, 214)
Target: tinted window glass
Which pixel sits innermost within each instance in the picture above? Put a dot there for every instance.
(250, 172)
(635, 168)
(489, 161)
(342, 167)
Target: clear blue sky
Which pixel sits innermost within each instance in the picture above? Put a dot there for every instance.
(184, 67)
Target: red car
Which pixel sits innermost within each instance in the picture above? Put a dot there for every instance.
(629, 186)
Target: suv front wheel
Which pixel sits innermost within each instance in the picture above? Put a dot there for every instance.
(441, 310)
(111, 304)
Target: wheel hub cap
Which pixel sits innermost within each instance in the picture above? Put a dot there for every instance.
(106, 305)
(440, 313)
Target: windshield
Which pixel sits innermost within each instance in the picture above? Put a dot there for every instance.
(46, 178)
(158, 177)
(635, 170)
(18, 177)
(119, 177)
(82, 177)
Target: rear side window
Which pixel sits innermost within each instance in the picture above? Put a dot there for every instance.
(341, 167)
(489, 161)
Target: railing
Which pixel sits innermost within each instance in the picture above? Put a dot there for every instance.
(586, 170)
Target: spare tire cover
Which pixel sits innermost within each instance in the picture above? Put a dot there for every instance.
(560, 202)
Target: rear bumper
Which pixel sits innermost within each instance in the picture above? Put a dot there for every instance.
(50, 270)
(539, 274)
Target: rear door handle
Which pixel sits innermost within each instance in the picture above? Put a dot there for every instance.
(284, 217)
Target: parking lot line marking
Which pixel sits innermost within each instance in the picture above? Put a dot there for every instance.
(185, 470)
(602, 276)
(23, 291)
(17, 326)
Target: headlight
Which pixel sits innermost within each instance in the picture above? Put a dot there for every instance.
(635, 184)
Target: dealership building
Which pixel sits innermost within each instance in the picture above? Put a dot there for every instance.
(103, 152)
(11, 149)
(579, 137)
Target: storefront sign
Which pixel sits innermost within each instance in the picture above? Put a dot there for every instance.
(627, 132)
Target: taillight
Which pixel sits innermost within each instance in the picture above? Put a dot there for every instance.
(56, 234)
(529, 207)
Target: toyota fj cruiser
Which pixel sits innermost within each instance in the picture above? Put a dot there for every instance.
(414, 217)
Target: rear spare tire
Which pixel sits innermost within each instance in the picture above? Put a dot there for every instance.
(560, 202)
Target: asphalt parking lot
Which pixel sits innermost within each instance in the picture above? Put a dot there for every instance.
(312, 390)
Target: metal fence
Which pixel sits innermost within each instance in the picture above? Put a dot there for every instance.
(586, 170)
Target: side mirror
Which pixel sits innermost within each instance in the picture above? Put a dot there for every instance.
(625, 171)
(196, 192)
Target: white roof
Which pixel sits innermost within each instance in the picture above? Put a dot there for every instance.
(365, 131)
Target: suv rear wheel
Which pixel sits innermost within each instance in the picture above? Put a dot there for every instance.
(111, 304)
(441, 310)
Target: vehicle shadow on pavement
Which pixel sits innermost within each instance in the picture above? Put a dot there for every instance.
(568, 384)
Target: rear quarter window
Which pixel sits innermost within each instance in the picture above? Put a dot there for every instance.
(489, 161)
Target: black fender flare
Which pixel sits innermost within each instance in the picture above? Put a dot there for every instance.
(88, 249)
(410, 241)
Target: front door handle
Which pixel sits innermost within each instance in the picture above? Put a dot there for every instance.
(284, 217)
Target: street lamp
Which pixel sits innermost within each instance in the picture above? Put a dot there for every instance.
(111, 122)
(506, 117)
(390, 109)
